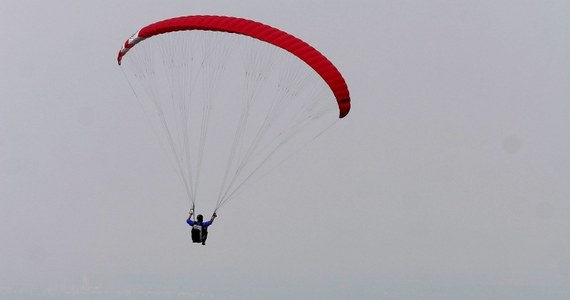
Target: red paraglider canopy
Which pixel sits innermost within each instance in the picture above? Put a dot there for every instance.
(259, 31)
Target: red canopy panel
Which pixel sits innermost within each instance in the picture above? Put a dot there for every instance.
(259, 31)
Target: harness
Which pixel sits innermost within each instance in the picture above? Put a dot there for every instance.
(199, 233)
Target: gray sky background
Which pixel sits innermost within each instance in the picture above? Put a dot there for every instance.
(449, 179)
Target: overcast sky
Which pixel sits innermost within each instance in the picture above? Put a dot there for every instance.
(449, 179)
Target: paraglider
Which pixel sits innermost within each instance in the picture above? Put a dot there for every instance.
(231, 98)
(199, 227)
